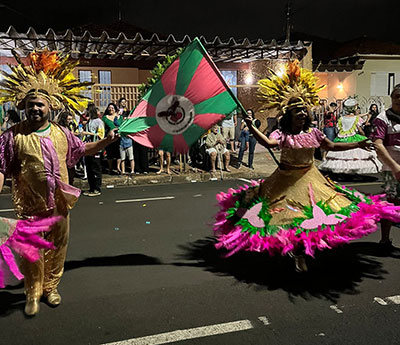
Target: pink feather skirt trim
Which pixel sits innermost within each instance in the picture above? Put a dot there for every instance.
(24, 239)
(363, 222)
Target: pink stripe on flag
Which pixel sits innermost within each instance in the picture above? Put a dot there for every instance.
(206, 121)
(204, 84)
(180, 144)
(151, 137)
(168, 79)
(144, 109)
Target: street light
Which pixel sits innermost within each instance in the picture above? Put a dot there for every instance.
(248, 80)
(281, 71)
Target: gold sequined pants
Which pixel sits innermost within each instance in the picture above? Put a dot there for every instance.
(44, 275)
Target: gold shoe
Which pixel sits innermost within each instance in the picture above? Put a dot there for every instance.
(54, 298)
(32, 306)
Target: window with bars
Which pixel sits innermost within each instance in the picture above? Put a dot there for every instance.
(105, 95)
(382, 83)
(85, 76)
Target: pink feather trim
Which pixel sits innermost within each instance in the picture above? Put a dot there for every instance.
(26, 241)
(359, 224)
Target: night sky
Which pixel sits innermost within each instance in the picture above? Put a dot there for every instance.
(339, 20)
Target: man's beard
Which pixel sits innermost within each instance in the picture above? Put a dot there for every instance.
(37, 117)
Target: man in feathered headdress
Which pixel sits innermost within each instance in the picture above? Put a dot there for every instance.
(36, 153)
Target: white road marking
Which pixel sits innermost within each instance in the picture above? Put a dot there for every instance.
(7, 210)
(388, 300)
(145, 199)
(380, 301)
(197, 195)
(336, 309)
(264, 320)
(190, 333)
(244, 180)
(394, 299)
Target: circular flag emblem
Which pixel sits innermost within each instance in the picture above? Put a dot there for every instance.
(174, 114)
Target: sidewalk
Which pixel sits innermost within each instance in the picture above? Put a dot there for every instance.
(263, 165)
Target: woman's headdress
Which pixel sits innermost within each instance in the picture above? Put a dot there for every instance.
(296, 87)
(47, 74)
(350, 105)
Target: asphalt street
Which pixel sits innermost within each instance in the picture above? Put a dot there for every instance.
(146, 272)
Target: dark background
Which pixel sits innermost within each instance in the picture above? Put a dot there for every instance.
(339, 20)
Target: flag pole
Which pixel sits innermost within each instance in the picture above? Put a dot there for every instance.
(218, 73)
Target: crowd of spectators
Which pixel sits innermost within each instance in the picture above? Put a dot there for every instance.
(223, 146)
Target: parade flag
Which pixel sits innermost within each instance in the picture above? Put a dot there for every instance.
(188, 99)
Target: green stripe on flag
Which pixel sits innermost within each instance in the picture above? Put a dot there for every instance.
(167, 143)
(189, 60)
(222, 103)
(155, 94)
(193, 133)
(136, 124)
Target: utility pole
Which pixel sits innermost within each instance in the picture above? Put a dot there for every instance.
(288, 12)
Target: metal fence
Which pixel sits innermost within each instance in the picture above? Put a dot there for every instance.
(103, 94)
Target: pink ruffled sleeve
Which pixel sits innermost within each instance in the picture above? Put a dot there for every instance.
(277, 135)
(318, 135)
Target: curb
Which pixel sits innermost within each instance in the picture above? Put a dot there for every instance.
(263, 167)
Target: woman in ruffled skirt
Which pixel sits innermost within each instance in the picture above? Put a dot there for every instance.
(354, 161)
(296, 211)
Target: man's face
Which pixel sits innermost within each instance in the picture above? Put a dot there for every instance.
(396, 101)
(214, 130)
(37, 110)
(69, 118)
(123, 103)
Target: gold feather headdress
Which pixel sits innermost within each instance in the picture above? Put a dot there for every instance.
(296, 87)
(48, 75)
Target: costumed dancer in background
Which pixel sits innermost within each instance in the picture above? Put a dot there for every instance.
(296, 210)
(355, 161)
(36, 153)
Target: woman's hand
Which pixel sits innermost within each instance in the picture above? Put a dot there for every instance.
(113, 135)
(366, 145)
